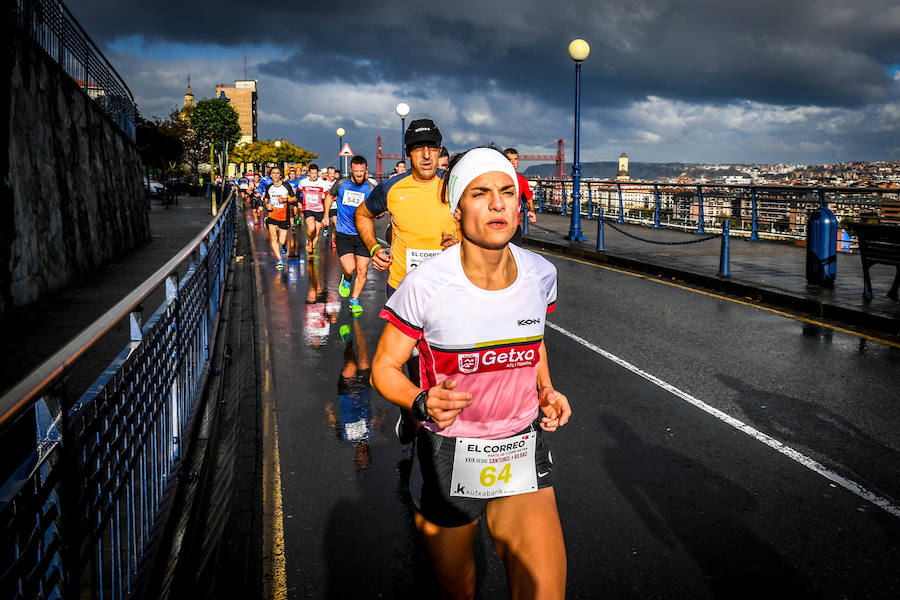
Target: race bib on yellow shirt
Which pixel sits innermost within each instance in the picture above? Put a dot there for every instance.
(415, 257)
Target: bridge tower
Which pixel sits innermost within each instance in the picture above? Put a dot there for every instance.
(379, 159)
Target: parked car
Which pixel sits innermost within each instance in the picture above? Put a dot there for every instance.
(156, 188)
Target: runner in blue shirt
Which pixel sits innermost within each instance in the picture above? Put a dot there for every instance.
(353, 253)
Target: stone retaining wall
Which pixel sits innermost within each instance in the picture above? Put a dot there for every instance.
(72, 181)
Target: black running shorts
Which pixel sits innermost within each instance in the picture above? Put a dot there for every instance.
(350, 244)
(432, 470)
(281, 224)
(318, 215)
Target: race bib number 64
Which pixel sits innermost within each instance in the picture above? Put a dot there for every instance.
(494, 468)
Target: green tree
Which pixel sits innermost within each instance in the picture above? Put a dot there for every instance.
(196, 148)
(264, 151)
(216, 121)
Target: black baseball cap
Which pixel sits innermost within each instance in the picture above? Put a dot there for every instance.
(422, 130)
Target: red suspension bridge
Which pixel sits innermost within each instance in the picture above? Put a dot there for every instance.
(558, 158)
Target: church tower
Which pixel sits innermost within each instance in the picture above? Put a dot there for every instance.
(623, 167)
(189, 96)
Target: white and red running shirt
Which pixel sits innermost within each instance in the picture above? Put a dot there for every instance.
(487, 340)
(314, 193)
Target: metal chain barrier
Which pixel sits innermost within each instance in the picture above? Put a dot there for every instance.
(684, 243)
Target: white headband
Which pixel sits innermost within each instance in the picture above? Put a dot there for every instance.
(473, 164)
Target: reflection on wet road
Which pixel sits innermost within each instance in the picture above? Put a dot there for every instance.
(657, 499)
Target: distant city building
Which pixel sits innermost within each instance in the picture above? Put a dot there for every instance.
(243, 96)
(622, 175)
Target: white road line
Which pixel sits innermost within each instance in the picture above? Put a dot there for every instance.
(804, 460)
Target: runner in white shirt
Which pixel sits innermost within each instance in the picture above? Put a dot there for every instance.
(313, 188)
(477, 314)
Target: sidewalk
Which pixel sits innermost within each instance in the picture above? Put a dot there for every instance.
(40, 330)
(767, 271)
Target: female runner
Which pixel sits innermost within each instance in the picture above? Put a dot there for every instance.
(476, 313)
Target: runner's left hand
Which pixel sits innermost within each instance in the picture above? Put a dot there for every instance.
(555, 407)
(532, 218)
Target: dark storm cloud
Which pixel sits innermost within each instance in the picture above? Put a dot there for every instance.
(797, 52)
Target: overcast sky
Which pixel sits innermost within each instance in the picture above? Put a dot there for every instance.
(801, 81)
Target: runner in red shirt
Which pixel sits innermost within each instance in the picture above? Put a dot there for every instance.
(525, 195)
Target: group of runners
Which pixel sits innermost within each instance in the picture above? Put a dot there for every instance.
(472, 304)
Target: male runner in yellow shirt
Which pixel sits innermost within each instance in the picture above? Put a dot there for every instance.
(422, 223)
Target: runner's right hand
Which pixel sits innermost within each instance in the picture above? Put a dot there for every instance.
(381, 260)
(444, 405)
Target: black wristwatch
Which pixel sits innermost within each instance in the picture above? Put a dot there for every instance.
(419, 409)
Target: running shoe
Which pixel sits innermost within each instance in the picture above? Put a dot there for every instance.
(345, 333)
(344, 288)
(355, 307)
(280, 265)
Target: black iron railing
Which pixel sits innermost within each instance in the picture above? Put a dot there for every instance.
(52, 26)
(754, 211)
(85, 477)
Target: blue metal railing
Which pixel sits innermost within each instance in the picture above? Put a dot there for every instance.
(85, 479)
(54, 28)
(754, 211)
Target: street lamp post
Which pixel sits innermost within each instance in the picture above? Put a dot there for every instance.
(278, 154)
(402, 111)
(578, 51)
(340, 133)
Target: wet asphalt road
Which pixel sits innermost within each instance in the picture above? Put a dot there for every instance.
(658, 499)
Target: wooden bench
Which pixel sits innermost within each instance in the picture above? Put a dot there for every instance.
(878, 244)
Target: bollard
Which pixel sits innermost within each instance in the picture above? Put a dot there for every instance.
(601, 243)
(725, 254)
(524, 214)
(540, 198)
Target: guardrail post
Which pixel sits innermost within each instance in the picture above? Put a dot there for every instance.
(621, 204)
(601, 242)
(562, 210)
(725, 254)
(656, 224)
(700, 229)
(136, 322)
(754, 222)
(201, 263)
(590, 201)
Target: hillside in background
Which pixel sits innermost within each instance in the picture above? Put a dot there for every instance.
(637, 170)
